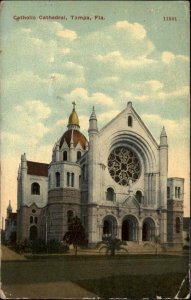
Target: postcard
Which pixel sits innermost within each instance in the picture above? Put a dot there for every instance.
(95, 149)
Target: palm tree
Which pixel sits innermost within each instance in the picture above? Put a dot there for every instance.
(111, 245)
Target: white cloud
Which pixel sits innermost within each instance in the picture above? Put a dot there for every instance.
(183, 57)
(12, 138)
(167, 57)
(182, 91)
(135, 29)
(61, 122)
(95, 98)
(67, 34)
(100, 98)
(107, 116)
(119, 61)
(154, 85)
(79, 93)
(124, 94)
(35, 109)
(180, 127)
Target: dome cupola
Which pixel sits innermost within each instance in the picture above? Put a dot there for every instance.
(73, 121)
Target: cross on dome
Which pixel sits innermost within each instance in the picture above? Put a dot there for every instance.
(74, 104)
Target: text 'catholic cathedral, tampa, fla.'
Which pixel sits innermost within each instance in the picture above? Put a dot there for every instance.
(116, 183)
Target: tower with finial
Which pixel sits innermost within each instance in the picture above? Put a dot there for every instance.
(163, 171)
(92, 175)
(9, 208)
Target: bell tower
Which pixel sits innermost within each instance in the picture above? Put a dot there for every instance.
(175, 198)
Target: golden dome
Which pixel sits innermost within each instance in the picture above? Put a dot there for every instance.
(73, 118)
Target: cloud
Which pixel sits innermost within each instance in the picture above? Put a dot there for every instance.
(117, 59)
(29, 126)
(67, 34)
(180, 127)
(167, 57)
(154, 85)
(93, 99)
(80, 93)
(107, 116)
(136, 30)
(35, 109)
(124, 94)
(182, 91)
(11, 138)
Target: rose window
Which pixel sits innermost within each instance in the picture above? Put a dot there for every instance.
(123, 165)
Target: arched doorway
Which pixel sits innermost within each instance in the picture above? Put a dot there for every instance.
(129, 229)
(148, 232)
(33, 233)
(109, 227)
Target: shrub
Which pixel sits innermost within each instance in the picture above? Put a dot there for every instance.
(53, 246)
(38, 246)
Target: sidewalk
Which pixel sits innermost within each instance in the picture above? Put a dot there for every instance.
(50, 290)
(8, 254)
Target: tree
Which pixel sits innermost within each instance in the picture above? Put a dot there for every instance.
(75, 234)
(111, 245)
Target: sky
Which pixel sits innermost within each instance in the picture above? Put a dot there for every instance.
(129, 52)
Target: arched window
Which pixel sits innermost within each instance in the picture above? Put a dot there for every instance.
(35, 188)
(65, 155)
(110, 194)
(72, 180)
(168, 192)
(139, 196)
(31, 219)
(68, 179)
(178, 192)
(177, 225)
(130, 121)
(79, 155)
(36, 220)
(57, 179)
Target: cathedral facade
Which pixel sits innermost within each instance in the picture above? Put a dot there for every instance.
(116, 182)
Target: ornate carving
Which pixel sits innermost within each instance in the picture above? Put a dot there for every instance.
(124, 166)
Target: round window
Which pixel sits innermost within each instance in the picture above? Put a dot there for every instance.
(124, 165)
(33, 211)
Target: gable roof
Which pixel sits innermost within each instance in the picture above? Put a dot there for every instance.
(36, 168)
(139, 120)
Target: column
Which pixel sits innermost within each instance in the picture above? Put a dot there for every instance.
(140, 235)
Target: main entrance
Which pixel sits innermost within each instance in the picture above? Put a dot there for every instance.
(129, 228)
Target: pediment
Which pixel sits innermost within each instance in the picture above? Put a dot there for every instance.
(64, 145)
(131, 202)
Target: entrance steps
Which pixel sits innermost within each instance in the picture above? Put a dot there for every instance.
(145, 247)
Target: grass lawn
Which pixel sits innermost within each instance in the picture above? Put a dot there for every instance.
(132, 276)
(138, 286)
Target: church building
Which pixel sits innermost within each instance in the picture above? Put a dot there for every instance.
(116, 181)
